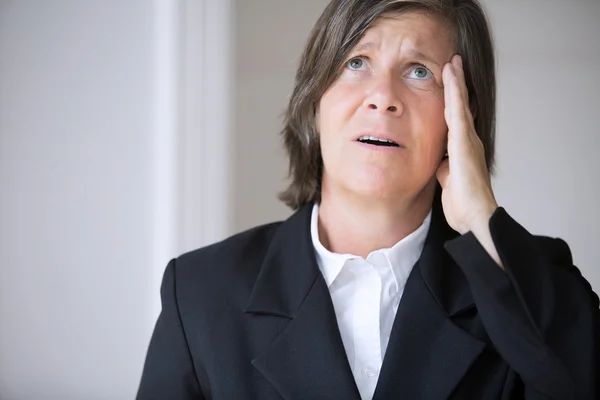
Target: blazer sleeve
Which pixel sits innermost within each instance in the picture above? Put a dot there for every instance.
(169, 370)
(540, 313)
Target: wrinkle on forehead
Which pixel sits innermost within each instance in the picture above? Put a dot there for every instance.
(422, 32)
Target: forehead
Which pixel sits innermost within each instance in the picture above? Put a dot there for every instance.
(412, 30)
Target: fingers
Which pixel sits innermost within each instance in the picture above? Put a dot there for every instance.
(454, 101)
(457, 62)
(456, 96)
(460, 75)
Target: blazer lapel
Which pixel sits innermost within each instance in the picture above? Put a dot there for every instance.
(307, 360)
(428, 354)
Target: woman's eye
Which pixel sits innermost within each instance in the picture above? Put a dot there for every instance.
(420, 73)
(356, 64)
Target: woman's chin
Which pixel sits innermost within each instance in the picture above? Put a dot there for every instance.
(378, 189)
(372, 184)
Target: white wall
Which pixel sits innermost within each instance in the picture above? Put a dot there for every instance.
(76, 100)
(103, 178)
(549, 96)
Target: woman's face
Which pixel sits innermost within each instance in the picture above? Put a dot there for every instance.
(381, 123)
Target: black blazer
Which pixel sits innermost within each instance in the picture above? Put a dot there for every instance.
(251, 318)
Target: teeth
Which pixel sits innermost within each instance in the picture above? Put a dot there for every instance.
(372, 138)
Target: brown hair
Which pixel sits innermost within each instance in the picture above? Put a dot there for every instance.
(339, 28)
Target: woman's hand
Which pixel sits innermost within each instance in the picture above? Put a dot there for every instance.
(467, 197)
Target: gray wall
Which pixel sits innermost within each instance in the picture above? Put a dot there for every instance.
(269, 39)
(548, 136)
(549, 96)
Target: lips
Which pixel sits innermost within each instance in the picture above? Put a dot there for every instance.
(378, 139)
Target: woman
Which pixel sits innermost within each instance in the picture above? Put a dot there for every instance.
(399, 276)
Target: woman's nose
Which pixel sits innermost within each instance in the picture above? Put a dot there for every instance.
(392, 109)
(383, 98)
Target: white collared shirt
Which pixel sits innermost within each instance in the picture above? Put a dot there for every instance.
(365, 295)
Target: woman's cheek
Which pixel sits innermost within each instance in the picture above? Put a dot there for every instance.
(430, 88)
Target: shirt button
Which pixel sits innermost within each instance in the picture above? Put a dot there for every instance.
(371, 372)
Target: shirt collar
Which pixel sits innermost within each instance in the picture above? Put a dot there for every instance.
(330, 263)
(402, 256)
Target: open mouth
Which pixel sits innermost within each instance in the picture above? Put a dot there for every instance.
(377, 141)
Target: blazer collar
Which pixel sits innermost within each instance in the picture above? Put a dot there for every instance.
(309, 354)
(307, 360)
(290, 267)
(441, 274)
(427, 354)
(288, 271)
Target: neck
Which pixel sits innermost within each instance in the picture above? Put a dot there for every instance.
(351, 225)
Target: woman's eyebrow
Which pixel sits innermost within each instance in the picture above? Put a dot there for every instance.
(363, 47)
(418, 55)
(413, 53)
